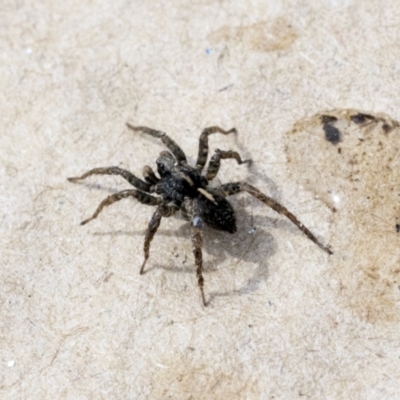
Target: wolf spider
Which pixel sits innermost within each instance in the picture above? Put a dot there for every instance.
(183, 187)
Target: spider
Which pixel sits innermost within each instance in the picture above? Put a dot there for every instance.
(183, 187)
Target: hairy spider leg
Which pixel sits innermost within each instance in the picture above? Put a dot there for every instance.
(169, 143)
(215, 162)
(149, 175)
(162, 211)
(197, 244)
(232, 188)
(142, 197)
(132, 179)
(190, 209)
(203, 144)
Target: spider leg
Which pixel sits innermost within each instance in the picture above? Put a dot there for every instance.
(236, 187)
(203, 144)
(162, 211)
(150, 176)
(140, 196)
(215, 162)
(132, 179)
(171, 145)
(197, 242)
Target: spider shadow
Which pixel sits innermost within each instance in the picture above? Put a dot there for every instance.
(245, 245)
(248, 244)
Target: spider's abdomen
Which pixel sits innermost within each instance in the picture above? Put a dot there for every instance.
(217, 215)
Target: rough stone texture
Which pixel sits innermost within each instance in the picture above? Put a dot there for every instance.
(78, 322)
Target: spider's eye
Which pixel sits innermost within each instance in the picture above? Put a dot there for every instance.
(161, 168)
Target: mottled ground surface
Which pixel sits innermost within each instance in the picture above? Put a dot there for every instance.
(312, 92)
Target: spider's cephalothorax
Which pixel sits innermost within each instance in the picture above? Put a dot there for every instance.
(183, 187)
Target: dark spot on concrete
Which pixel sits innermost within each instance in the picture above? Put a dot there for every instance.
(225, 88)
(332, 134)
(326, 119)
(386, 128)
(362, 118)
(398, 228)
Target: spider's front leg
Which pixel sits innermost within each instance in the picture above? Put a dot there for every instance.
(197, 243)
(132, 179)
(190, 208)
(150, 176)
(215, 162)
(162, 211)
(142, 197)
(203, 144)
(169, 143)
(232, 188)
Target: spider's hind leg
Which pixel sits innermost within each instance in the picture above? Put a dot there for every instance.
(229, 189)
(171, 145)
(203, 144)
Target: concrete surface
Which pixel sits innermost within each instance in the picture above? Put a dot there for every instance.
(285, 320)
